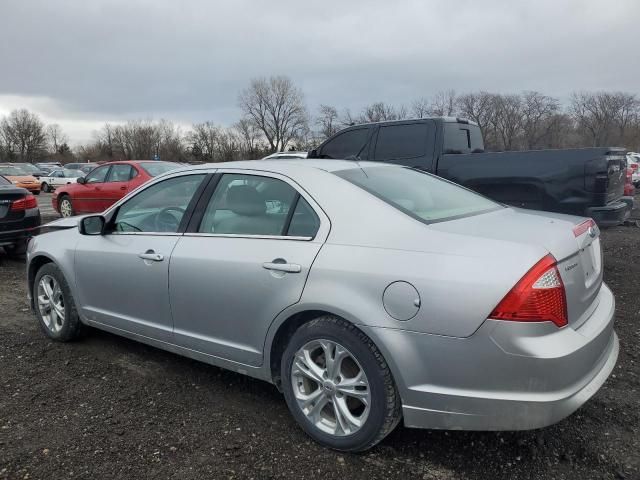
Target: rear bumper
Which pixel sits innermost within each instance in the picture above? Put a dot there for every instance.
(20, 230)
(506, 376)
(611, 214)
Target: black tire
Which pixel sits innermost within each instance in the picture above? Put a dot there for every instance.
(62, 199)
(72, 328)
(45, 187)
(17, 249)
(386, 409)
(36, 192)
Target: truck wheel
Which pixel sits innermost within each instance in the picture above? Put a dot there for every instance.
(338, 386)
(54, 305)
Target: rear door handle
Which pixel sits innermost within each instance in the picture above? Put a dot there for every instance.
(151, 255)
(282, 267)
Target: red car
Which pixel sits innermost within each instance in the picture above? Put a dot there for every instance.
(105, 185)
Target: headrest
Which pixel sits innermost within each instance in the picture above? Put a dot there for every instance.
(245, 200)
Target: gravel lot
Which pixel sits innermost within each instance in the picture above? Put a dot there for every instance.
(106, 407)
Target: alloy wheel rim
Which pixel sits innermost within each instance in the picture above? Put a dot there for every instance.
(330, 387)
(65, 208)
(51, 303)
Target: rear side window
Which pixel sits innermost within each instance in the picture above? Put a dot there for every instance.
(462, 138)
(345, 145)
(402, 141)
(422, 196)
(119, 173)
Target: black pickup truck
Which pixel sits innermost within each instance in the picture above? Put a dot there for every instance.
(581, 181)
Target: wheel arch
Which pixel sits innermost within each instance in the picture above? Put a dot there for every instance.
(282, 331)
(35, 264)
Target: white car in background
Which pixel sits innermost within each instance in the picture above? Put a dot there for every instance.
(59, 176)
(284, 155)
(633, 161)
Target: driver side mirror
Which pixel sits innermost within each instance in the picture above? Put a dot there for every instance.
(82, 180)
(93, 225)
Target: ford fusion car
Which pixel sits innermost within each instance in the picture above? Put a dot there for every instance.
(369, 294)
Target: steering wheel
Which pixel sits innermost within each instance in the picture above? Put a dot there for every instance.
(165, 221)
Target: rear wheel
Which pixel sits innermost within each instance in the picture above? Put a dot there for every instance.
(54, 305)
(338, 386)
(66, 206)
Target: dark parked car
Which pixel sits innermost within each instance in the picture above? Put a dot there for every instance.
(19, 216)
(582, 181)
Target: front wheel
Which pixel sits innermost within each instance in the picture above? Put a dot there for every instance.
(55, 307)
(66, 207)
(45, 187)
(338, 386)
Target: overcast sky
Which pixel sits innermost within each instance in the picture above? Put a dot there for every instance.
(82, 63)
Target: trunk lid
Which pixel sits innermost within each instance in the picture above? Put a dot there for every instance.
(8, 194)
(579, 257)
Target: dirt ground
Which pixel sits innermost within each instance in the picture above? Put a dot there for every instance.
(106, 407)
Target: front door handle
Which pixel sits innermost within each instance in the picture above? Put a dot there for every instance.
(282, 266)
(151, 255)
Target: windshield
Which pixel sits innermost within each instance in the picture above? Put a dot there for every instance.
(462, 138)
(27, 167)
(422, 196)
(12, 171)
(158, 168)
(73, 173)
(4, 181)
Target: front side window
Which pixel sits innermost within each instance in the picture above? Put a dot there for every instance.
(159, 208)
(255, 205)
(402, 141)
(346, 145)
(420, 195)
(98, 175)
(119, 172)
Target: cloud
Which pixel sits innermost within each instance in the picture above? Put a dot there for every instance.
(187, 61)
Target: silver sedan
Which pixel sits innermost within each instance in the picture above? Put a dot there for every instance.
(367, 293)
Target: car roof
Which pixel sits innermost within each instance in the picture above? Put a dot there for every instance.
(284, 166)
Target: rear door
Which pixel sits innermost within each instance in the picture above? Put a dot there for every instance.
(243, 260)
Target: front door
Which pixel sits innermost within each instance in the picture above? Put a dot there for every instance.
(122, 276)
(89, 197)
(240, 264)
(116, 185)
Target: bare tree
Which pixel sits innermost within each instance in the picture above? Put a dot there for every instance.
(443, 104)
(250, 138)
(56, 138)
(379, 112)
(23, 136)
(508, 119)
(602, 116)
(421, 108)
(327, 120)
(277, 108)
(538, 112)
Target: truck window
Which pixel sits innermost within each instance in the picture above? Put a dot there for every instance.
(347, 144)
(462, 138)
(407, 140)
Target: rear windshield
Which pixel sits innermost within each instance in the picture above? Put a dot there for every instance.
(158, 168)
(462, 138)
(424, 197)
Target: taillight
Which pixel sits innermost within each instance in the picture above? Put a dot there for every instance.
(24, 203)
(538, 297)
(583, 227)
